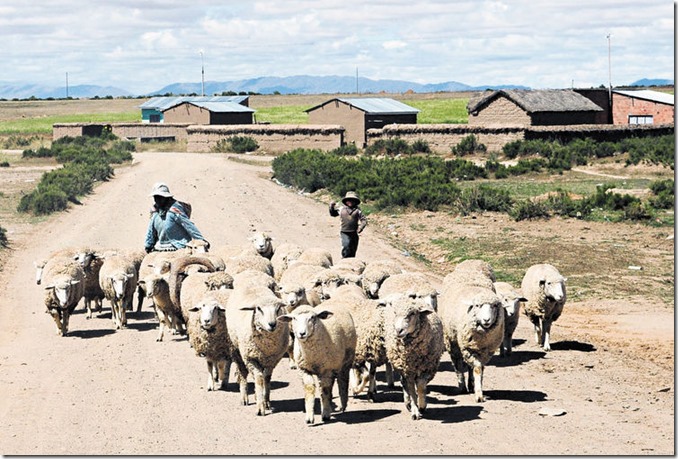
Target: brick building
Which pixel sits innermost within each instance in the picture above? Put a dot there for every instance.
(152, 111)
(357, 115)
(642, 107)
(542, 107)
(209, 113)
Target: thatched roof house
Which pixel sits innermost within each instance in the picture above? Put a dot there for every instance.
(541, 107)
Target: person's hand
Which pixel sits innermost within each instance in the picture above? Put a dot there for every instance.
(332, 204)
(148, 249)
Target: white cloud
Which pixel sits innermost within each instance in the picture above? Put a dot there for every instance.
(143, 46)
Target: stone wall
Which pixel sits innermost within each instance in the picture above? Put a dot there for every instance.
(130, 131)
(442, 137)
(272, 139)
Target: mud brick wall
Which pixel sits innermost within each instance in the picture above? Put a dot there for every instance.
(442, 137)
(270, 138)
(129, 131)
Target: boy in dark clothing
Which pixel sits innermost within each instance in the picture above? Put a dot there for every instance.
(353, 222)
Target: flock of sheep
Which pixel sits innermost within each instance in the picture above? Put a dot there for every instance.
(253, 304)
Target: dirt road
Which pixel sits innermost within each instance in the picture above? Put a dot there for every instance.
(100, 391)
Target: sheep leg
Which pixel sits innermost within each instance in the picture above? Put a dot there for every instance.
(210, 375)
(389, 375)
(122, 316)
(537, 332)
(140, 297)
(342, 384)
(477, 373)
(56, 315)
(259, 390)
(162, 319)
(309, 395)
(372, 377)
(88, 306)
(410, 396)
(420, 387)
(223, 366)
(64, 322)
(459, 367)
(546, 334)
(326, 383)
(267, 391)
(242, 382)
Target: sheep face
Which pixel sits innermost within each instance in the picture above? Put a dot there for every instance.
(262, 243)
(152, 285)
(292, 295)
(511, 304)
(407, 313)
(119, 283)
(554, 289)
(305, 322)
(62, 290)
(266, 314)
(484, 315)
(210, 313)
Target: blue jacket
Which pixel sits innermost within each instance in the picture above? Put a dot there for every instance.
(171, 229)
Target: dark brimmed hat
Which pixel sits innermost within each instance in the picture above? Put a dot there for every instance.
(352, 196)
(161, 189)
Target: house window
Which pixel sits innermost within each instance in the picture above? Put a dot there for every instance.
(154, 118)
(641, 119)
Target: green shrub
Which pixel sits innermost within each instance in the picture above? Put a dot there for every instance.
(4, 164)
(346, 150)
(463, 169)
(664, 194)
(469, 145)
(389, 147)
(529, 210)
(636, 211)
(562, 204)
(421, 146)
(44, 201)
(236, 144)
(483, 198)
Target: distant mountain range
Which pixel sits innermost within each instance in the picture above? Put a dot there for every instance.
(301, 84)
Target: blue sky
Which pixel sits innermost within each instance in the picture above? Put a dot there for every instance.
(142, 46)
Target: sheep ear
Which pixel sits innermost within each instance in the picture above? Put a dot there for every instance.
(141, 282)
(249, 307)
(194, 309)
(522, 299)
(381, 302)
(426, 308)
(325, 315)
(49, 287)
(285, 318)
(73, 282)
(542, 282)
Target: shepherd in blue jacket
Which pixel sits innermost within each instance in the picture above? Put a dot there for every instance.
(170, 227)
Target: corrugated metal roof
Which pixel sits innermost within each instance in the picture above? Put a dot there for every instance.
(539, 100)
(222, 107)
(163, 103)
(380, 106)
(647, 94)
(375, 106)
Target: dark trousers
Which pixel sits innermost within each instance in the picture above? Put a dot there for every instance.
(349, 244)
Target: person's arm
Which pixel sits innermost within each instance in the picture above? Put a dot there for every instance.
(333, 209)
(151, 236)
(190, 227)
(362, 222)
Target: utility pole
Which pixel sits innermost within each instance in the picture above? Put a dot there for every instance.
(609, 67)
(66, 85)
(357, 89)
(202, 63)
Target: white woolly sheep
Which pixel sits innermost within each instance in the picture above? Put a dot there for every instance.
(165, 291)
(355, 265)
(283, 255)
(208, 335)
(375, 273)
(118, 280)
(64, 286)
(370, 351)
(544, 288)
(259, 341)
(304, 275)
(263, 243)
(410, 284)
(324, 347)
(196, 285)
(328, 280)
(471, 272)
(510, 299)
(314, 256)
(473, 321)
(235, 265)
(254, 277)
(414, 341)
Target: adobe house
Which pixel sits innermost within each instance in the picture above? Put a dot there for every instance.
(209, 113)
(357, 115)
(152, 110)
(642, 107)
(539, 107)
